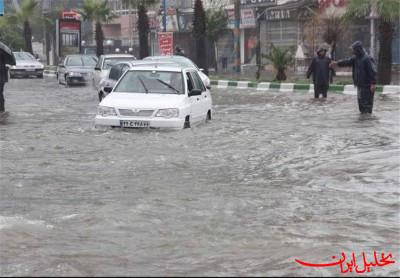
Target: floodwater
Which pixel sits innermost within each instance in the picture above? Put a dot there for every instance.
(272, 178)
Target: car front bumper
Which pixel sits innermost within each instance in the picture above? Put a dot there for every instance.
(174, 123)
(25, 72)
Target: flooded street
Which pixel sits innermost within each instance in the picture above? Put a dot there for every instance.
(272, 178)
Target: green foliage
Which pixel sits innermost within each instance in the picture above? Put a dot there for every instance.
(281, 58)
(388, 10)
(96, 10)
(10, 34)
(199, 22)
(216, 21)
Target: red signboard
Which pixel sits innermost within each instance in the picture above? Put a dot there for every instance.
(166, 43)
(70, 25)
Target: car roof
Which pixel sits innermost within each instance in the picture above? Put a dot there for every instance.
(158, 67)
(118, 56)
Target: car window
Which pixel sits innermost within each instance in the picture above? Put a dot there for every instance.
(151, 82)
(198, 84)
(189, 82)
(115, 72)
(123, 70)
(89, 60)
(98, 64)
(109, 62)
(74, 61)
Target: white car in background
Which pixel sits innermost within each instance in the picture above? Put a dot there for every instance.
(104, 65)
(184, 62)
(26, 65)
(156, 96)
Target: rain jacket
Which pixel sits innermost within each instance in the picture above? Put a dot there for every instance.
(3, 70)
(363, 67)
(319, 68)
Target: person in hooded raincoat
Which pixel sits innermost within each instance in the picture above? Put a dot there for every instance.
(179, 51)
(321, 71)
(3, 80)
(364, 76)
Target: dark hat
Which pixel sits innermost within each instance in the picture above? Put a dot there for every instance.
(356, 44)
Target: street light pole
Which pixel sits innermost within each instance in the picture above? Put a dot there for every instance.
(237, 35)
(372, 16)
(165, 15)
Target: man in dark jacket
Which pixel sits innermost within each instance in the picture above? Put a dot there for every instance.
(320, 70)
(179, 51)
(3, 79)
(364, 76)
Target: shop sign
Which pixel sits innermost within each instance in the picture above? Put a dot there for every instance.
(166, 43)
(257, 3)
(278, 14)
(247, 18)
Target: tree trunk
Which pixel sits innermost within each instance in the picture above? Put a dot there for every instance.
(216, 56)
(143, 27)
(202, 54)
(385, 52)
(281, 76)
(99, 39)
(28, 37)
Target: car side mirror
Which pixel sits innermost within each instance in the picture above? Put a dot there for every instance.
(208, 87)
(107, 89)
(97, 68)
(61, 65)
(195, 92)
(201, 70)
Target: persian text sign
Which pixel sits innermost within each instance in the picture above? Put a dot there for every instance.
(352, 265)
(166, 43)
(257, 3)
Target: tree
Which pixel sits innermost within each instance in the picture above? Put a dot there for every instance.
(23, 16)
(216, 21)
(10, 34)
(199, 34)
(143, 23)
(281, 58)
(388, 12)
(97, 11)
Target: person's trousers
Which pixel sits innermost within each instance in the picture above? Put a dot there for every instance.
(1, 97)
(321, 90)
(365, 99)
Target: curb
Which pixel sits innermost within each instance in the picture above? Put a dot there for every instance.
(295, 87)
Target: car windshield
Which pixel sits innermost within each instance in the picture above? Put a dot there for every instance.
(24, 56)
(109, 62)
(151, 82)
(78, 61)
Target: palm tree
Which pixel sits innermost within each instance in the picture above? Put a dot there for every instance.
(98, 11)
(143, 23)
(388, 12)
(199, 34)
(216, 21)
(23, 16)
(281, 59)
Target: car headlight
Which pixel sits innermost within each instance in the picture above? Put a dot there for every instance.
(13, 67)
(168, 113)
(105, 111)
(77, 74)
(40, 66)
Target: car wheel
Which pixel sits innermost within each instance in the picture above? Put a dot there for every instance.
(208, 117)
(40, 76)
(66, 82)
(187, 122)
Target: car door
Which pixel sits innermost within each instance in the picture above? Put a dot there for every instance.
(97, 73)
(194, 100)
(205, 97)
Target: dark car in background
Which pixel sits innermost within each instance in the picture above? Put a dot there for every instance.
(76, 69)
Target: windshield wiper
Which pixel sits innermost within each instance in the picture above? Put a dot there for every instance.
(168, 85)
(144, 86)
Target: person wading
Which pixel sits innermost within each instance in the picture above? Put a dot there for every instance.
(320, 70)
(364, 76)
(6, 57)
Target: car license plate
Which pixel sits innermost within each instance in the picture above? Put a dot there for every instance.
(135, 124)
(30, 69)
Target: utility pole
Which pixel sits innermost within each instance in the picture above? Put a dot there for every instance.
(236, 33)
(164, 15)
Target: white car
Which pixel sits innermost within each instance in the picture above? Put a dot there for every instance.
(184, 62)
(26, 65)
(156, 96)
(104, 65)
